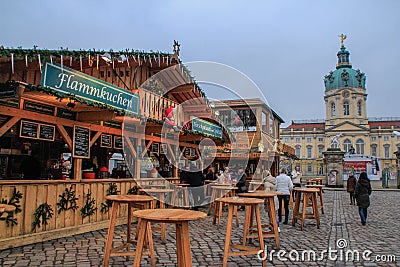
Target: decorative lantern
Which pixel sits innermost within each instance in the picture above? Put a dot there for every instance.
(103, 172)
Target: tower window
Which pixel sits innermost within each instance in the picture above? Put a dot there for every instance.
(333, 110)
(346, 108)
(359, 108)
(347, 145)
(360, 146)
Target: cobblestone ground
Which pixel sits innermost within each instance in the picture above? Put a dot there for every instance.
(340, 222)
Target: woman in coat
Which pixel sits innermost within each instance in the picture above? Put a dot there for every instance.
(351, 185)
(362, 192)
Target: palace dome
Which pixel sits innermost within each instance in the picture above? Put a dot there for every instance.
(344, 75)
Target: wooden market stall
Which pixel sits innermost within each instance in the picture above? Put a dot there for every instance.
(91, 122)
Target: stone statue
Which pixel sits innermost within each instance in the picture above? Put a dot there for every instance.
(335, 141)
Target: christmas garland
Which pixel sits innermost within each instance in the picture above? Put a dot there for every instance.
(112, 190)
(14, 201)
(67, 200)
(90, 206)
(42, 214)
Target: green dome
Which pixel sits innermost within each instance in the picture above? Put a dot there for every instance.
(344, 75)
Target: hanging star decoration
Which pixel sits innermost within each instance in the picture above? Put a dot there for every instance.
(177, 48)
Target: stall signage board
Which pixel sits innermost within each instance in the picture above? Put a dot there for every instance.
(36, 130)
(118, 142)
(81, 142)
(65, 82)
(206, 127)
(106, 140)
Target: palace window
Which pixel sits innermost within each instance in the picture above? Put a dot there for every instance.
(298, 149)
(320, 139)
(346, 108)
(387, 151)
(297, 139)
(386, 138)
(347, 145)
(320, 149)
(373, 138)
(360, 146)
(333, 110)
(309, 139)
(359, 108)
(286, 139)
(309, 168)
(373, 150)
(309, 152)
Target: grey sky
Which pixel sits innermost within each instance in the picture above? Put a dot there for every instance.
(285, 47)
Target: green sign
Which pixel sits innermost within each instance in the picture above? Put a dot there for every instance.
(206, 127)
(66, 81)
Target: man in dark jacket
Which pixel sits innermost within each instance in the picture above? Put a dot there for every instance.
(196, 179)
(241, 184)
(362, 192)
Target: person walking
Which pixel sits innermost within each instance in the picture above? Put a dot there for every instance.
(270, 185)
(241, 182)
(296, 179)
(196, 180)
(351, 186)
(285, 186)
(362, 192)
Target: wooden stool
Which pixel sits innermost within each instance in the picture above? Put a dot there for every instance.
(109, 251)
(307, 194)
(321, 201)
(184, 201)
(219, 192)
(180, 218)
(252, 204)
(159, 194)
(268, 196)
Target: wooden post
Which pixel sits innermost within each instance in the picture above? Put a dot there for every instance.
(77, 169)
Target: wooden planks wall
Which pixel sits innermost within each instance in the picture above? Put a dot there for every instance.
(35, 193)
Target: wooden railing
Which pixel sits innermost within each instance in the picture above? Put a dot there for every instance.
(153, 105)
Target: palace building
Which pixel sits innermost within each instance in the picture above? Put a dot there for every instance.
(369, 143)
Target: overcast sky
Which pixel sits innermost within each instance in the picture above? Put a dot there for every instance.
(285, 47)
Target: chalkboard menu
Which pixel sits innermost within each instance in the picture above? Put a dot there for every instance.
(187, 151)
(46, 132)
(29, 129)
(106, 140)
(155, 148)
(118, 142)
(81, 140)
(34, 130)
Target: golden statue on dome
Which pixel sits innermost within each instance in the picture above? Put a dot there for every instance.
(342, 38)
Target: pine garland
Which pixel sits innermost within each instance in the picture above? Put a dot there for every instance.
(14, 201)
(67, 200)
(41, 216)
(89, 208)
(112, 190)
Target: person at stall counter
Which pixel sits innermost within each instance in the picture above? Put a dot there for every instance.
(30, 167)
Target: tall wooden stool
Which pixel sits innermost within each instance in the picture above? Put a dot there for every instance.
(250, 204)
(180, 218)
(219, 192)
(184, 201)
(321, 201)
(159, 194)
(117, 200)
(308, 193)
(268, 196)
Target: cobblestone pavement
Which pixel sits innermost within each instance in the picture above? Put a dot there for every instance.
(340, 222)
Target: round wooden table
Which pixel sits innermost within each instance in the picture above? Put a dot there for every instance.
(4, 208)
(252, 204)
(321, 201)
(181, 219)
(307, 194)
(273, 226)
(117, 200)
(159, 194)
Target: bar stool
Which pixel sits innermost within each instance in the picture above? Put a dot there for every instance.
(307, 194)
(117, 200)
(321, 201)
(219, 192)
(252, 204)
(159, 194)
(180, 202)
(268, 196)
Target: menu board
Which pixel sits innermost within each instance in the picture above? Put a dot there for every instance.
(155, 148)
(118, 142)
(187, 151)
(163, 148)
(46, 132)
(81, 140)
(106, 140)
(29, 129)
